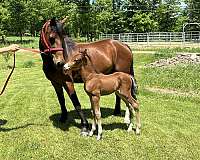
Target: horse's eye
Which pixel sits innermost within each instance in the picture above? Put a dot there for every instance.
(53, 28)
(77, 60)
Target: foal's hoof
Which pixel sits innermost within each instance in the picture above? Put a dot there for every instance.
(63, 118)
(99, 137)
(84, 131)
(137, 131)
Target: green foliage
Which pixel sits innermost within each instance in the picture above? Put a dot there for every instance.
(143, 22)
(89, 19)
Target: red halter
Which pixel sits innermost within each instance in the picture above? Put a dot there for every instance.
(46, 43)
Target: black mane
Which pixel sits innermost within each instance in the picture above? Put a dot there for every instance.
(70, 44)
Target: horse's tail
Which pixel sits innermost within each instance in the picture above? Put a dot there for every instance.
(134, 88)
(132, 73)
(131, 67)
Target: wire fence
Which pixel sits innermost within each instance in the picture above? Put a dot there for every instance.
(157, 38)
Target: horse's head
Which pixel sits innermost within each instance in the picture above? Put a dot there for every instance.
(76, 61)
(52, 41)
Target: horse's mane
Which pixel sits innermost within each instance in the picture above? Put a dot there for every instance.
(70, 44)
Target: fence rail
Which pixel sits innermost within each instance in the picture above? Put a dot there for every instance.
(157, 38)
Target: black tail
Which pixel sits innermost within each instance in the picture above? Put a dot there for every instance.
(131, 67)
(132, 73)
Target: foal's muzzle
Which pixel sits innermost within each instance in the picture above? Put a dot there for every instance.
(66, 67)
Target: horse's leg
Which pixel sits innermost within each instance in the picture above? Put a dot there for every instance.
(97, 113)
(59, 91)
(69, 87)
(117, 110)
(94, 118)
(127, 116)
(135, 107)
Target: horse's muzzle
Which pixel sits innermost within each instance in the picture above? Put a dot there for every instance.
(60, 64)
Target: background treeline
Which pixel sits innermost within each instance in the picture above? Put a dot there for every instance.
(88, 18)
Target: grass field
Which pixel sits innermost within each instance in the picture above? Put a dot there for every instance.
(29, 127)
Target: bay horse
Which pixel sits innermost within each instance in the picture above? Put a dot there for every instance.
(98, 84)
(56, 48)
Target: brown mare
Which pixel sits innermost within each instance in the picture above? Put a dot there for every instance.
(56, 48)
(98, 84)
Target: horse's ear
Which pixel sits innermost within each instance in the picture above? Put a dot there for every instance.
(53, 21)
(64, 20)
(85, 52)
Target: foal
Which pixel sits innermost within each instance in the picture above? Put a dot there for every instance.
(96, 84)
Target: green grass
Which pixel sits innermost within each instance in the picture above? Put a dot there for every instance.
(182, 77)
(29, 127)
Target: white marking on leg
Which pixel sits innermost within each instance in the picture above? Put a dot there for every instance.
(99, 129)
(137, 130)
(93, 128)
(127, 116)
(130, 128)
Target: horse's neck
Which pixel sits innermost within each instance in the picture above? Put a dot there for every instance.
(88, 71)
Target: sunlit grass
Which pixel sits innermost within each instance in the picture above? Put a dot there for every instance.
(29, 127)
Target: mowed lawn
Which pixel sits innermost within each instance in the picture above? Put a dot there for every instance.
(29, 126)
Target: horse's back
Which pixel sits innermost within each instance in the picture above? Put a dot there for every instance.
(109, 55)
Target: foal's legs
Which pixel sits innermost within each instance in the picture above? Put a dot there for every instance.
(69, 87)
(97, 116)
(127, 115)
(94, 123)
(133, 107)
(59, 91)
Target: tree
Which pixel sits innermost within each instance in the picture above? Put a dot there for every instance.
(18, 16)
(167, 15)
(193, 12)
(3, 18)
(143, 22)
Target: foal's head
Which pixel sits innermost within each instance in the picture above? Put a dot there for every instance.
(77, 61)
(52, 41)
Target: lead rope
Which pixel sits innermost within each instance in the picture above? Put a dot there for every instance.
(8, 78)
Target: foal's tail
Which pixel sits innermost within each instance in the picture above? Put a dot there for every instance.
(134, 88)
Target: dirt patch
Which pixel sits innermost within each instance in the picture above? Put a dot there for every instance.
(181, 58)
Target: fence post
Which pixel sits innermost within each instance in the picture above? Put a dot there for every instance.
(148, 38)
(183, 36)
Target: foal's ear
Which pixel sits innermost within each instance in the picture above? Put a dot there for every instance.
(53, 21)
(84, 54)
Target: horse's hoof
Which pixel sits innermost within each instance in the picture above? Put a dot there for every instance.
(91, 134)
(98, 137)
(130, 128)
(84, 132)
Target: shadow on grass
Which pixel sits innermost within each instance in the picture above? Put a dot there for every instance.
(72, 115)
(3, 122)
